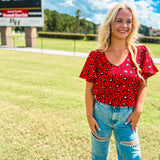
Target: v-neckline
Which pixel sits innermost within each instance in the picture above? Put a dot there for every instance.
(114, 64)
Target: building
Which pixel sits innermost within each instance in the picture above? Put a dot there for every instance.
(152, 32)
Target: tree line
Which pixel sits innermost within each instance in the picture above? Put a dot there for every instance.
(56, 22)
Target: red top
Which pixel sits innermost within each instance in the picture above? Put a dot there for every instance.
(117, 85)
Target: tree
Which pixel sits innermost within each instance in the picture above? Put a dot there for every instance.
(144, 30)
(90, 28)
(56, 22)
(78, 15)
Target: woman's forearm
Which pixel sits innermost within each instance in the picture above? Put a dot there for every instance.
(89, 97)
(141, 96)
(135, 116)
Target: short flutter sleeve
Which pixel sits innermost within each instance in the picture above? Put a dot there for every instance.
(89, 69)
(147, 65)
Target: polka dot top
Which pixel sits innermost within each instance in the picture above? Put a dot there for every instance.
(117, 85)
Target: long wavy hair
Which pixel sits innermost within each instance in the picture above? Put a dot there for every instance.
(104, 33)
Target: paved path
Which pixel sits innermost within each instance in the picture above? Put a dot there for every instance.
(46, 51)
(57, 52)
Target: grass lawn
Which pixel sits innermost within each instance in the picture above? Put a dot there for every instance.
(68, 45)
(57, 44)
(43, 113)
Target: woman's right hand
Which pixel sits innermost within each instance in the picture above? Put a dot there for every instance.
(93, 124)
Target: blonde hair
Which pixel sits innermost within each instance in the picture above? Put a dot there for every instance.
(104, 33)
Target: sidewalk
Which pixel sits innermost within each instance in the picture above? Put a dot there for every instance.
(56, 52)
(46, 51)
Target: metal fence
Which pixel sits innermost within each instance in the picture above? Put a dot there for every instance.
(56, 46)
(19, 40)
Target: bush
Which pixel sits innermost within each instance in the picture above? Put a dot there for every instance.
(146, 39)
(61, 35)
(91, 36)
(142, 39)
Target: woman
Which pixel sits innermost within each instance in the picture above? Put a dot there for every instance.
(116, 84)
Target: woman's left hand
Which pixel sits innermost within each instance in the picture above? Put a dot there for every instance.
(134, 118)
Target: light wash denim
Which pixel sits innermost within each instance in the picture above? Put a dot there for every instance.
(110, 118)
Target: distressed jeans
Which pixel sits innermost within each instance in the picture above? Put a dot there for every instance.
(110, 118)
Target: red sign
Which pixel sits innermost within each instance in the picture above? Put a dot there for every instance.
(15, 13)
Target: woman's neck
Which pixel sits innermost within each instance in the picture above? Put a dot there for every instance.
(118, 45)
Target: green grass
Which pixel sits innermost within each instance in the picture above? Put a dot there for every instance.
(59, 44)
(43, 113)
(69, 45)
(155, 48)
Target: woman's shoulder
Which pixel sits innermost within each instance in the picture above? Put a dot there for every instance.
(141, 48)
(142, 51)
(95, 53)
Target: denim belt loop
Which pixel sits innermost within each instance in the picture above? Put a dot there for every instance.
(129, 107)
(96, 100)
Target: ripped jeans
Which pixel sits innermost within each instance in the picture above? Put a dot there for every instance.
(113, 118)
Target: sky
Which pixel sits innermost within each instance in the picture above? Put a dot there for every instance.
(147, 11)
